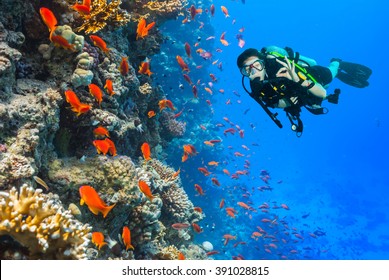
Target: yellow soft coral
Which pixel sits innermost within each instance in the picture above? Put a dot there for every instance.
(103, 14)
(39, 222)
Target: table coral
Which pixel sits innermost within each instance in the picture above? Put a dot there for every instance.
(39, 222)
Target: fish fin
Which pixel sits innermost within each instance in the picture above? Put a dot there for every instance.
(94, 210)
(107, 209)
(129, 246)
(82, 202)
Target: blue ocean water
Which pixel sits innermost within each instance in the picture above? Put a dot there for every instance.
(333, 178)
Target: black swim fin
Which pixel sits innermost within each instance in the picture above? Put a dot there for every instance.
(353, 74)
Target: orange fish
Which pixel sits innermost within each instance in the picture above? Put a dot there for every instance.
(193, 11)
(61, 42)
(208, 90)
(143, 29)
(145, 189)
(48, 18)
(91, 198)
(223, 40)
(126, 238)
(244, 205)
(221, 204)
(109, 87)
(82, 108)
(212, 9)
(180, 256)
(96, 92)
(101, 131)
(199, 189)
(187, 78)
(208, 143)
(151, 114)
(225, 171)
(196, 228)
(184, 157)
(187, 50)
(175, 174)
(100, 43)
(190, 149)
(112, 147)
(102, 146)
(182, 63)
(98, 239)
(213, 163)
(225, 11)
(76, 105)
(87, 3)
(144, 68)
(166, 103)
(204, 171)
(198, 209)
(82, 9)
(72, 98)
(215, 182)
(145, 148)
(124, 68)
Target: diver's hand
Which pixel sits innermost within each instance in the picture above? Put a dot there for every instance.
(288, 70)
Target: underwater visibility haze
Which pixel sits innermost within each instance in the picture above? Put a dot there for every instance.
(126, 133)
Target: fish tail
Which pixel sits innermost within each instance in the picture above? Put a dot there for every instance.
(129, 246)
(107, 209)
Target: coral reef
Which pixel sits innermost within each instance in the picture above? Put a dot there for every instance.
(29, 121)
(103, 14)
(8, 58)
(40, 223)
(172, 127)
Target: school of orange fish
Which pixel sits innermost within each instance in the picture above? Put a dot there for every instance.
(266, 226)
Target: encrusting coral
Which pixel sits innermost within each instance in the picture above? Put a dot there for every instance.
(40, 223)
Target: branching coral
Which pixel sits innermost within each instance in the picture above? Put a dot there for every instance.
(40, 223)
(169, 8)
(103, 14)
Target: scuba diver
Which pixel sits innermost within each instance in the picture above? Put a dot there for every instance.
(282, 78)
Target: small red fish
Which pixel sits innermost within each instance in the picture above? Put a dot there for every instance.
(145, 148)
(102, 146)
(91, 198)
(188, 50)
(126, 238)
(61, 42)
(143, 29)
(100, 43)
(225, 11)
(82, 9)
(48, 18)
(145, 189)
(98, 239)
(101, 131)
(179, 226)
(196, 228)
(182, 63)
(124, 68)
(199, 189)
(109, 87)
(95, 91)
(166, 103)
(144, 68)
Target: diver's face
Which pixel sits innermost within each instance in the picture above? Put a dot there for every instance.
(253, 67)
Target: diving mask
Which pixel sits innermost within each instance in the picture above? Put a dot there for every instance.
(249, 69)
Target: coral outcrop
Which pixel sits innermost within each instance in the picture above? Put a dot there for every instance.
(39, 222)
